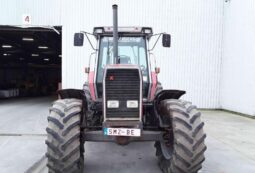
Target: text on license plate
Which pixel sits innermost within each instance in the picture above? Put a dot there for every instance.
(122, 132)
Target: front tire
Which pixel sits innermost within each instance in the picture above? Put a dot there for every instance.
(64, 151)
(184, 139)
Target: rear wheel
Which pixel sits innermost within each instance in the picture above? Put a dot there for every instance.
(89, 112)
(184, 139)
(158, 88)
(64, 143)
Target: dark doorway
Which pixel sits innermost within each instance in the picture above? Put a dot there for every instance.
(30, 61)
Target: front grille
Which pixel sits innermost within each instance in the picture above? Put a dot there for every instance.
(122, 85)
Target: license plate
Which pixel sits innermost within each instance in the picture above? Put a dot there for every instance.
(122, 132)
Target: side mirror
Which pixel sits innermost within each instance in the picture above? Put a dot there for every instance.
(78, 39)
(166, 40)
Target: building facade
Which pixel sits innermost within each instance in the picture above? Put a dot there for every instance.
(199, 60)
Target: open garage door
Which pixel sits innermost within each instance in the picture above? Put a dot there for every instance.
(30, 61)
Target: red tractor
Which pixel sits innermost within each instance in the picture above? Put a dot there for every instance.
(123, 102)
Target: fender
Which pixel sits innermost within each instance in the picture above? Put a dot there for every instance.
(169, 94)
(71, 93)
(164, 121)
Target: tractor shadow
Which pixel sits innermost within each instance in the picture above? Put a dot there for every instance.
(113, 158)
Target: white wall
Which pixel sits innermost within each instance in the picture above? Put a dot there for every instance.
(215, 66)
(238, 67)
(193, 63)
(44, 12)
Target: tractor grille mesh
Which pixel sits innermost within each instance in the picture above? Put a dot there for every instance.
(122, 85)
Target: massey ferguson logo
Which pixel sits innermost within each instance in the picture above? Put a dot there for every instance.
(111, 77)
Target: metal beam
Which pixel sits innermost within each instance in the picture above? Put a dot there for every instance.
(98, 136)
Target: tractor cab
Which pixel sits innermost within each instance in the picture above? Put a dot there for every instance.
(132, 50)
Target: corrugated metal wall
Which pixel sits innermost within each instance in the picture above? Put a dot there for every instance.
(193, 63)
(45, 12)
(238, 70)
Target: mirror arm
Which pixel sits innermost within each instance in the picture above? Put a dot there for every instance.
(159, 35)
(91, 56)
(86, 34)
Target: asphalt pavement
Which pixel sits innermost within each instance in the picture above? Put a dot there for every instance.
(230, 141)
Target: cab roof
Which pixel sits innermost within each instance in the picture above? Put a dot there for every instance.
(130, 31)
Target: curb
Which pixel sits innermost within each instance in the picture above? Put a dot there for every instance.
(38, 166)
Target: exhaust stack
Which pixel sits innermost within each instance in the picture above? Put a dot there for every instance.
(115, 33)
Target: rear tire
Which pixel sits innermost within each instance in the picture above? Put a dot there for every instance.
(158, 88)
(64, 137)
(184, 139)
(89, 112)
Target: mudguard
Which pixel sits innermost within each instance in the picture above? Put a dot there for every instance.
(169, 94)
(71, 93)
(164, 121)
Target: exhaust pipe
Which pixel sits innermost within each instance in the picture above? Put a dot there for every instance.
(115, 32)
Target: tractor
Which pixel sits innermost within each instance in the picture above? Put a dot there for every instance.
(122, 102)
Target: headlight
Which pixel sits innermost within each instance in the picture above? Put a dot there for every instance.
(132, 104)
(113, 104)
(147, 30)
(98, 30)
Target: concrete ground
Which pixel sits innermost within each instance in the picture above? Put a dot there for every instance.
(230, 141)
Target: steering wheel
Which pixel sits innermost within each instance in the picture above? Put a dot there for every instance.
(124, 57)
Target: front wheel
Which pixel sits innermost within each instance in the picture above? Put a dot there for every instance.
(183, 140)
(64, 141)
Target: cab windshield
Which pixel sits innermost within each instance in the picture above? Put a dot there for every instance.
(131, 50)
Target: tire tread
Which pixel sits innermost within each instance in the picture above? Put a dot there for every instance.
(64, 137)
(189, 138)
